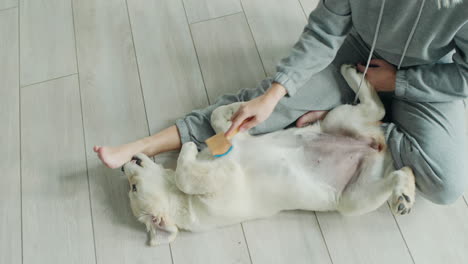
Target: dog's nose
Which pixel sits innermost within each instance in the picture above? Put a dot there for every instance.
(137, 160)
(122, 169)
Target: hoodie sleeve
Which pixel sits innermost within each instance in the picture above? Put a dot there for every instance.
(437, 82)
(327, 28)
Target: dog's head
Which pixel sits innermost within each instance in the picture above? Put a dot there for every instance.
(149, 198)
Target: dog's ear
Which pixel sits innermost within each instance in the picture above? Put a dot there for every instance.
(161, 230)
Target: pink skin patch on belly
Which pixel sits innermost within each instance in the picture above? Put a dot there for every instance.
(338, 158)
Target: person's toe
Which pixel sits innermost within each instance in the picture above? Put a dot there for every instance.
(310, 117)
(303, 120)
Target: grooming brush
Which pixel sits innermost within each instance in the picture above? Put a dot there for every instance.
(220, 145)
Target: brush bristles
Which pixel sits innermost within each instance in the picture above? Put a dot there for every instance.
(218, 144)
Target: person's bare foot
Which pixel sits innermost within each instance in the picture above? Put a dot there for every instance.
(310, 117)
(114, 157)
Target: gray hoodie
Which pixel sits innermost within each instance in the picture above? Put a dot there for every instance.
(428, 44)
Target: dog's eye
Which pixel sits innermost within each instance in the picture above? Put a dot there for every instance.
(134, 188)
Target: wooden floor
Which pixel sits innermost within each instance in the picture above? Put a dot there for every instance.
(74, 73)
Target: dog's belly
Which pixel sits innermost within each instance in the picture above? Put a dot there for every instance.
(301, 170)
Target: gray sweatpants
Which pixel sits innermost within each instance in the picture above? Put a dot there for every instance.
(428, 137)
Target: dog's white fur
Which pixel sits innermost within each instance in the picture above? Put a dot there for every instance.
(341, 164)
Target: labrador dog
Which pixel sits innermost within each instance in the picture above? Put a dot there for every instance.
(341, 163)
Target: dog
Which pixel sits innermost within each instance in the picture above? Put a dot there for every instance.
(341, 163)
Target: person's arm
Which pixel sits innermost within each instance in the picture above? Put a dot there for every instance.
(437, 82)
(257, 110)
(324, 34)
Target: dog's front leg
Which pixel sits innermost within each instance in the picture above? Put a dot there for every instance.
(201, 176)
(221, 117)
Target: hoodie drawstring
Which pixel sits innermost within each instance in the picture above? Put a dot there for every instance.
(374, 41)
(411, 34)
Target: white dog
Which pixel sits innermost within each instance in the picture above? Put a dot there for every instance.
(341, 164)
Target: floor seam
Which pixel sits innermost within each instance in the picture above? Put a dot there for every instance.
(254, 40)
(20, 131)
(196, 52)
(84, 134)
(401, 233)
(303, 9)
(212, 18)
(323, 237)
(246, 243)
(170, 252)
(138, 68)
(142, 92)
(9, 8)
(48, 80)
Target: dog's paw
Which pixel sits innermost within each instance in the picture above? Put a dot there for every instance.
(152, 242)
(402, 203)
(404, 193)
(221, 117)
(190, 146)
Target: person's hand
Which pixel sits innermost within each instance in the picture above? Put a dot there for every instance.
(382, 75)
(256, 110)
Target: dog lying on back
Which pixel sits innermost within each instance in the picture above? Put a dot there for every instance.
(340, 164)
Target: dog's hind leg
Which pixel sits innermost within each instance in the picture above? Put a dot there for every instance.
(364, 197)
(202, 176)
(366, 93)
(359, 121)
(367, 193)
(402, 199)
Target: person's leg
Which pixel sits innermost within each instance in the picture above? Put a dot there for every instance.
(166, 140)
(431, 139)
(323, 91)
(194, 127)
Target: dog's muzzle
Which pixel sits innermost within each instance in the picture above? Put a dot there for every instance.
(134, 159)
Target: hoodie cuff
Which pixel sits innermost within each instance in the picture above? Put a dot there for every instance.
(401, 83)
(184, 131)
(286, 82)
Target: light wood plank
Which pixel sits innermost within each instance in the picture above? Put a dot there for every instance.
(223, 245)
(10, 195)
(229, 61)
(198, 10)
(169, 70)
(4, 4)
(436, 234)
(465, 196)
(276, 25)
(290, 237)
(368, 239)
(228, 58)
(309, 5)
(57, 224)
(113, 113)
(47, 42)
